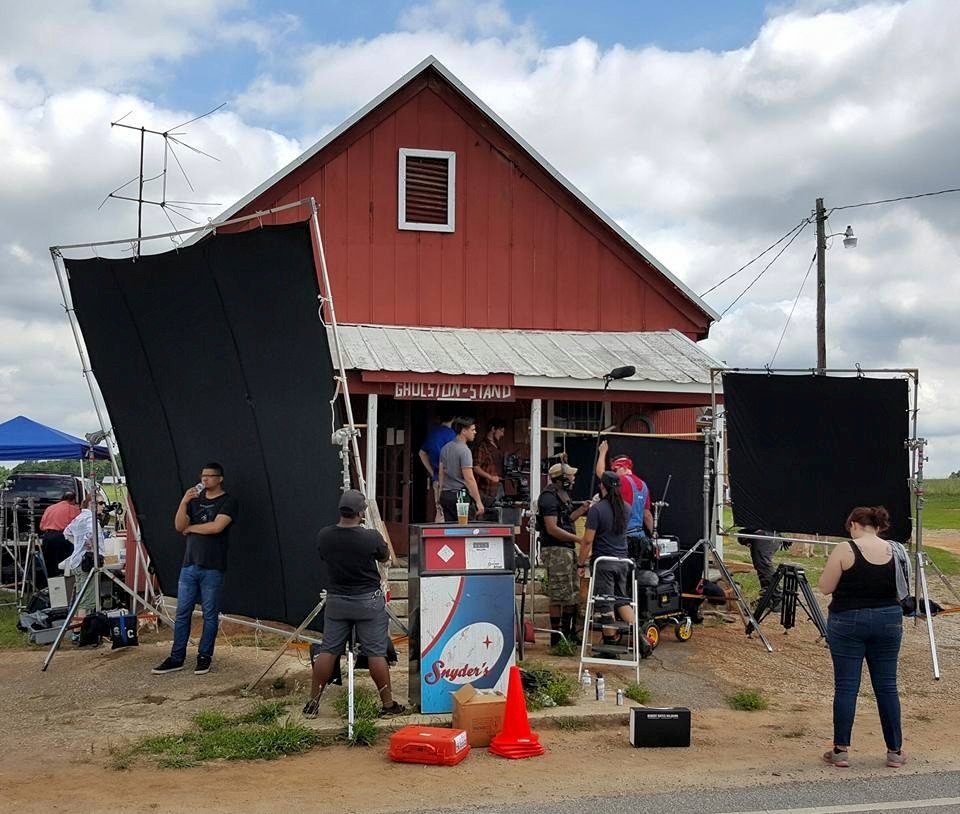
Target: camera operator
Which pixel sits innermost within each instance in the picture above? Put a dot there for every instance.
(355, 601)
(556, 515)
(55, 519)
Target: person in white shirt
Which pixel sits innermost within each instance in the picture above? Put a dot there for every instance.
(80, 533)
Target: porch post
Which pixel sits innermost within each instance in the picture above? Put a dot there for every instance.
(371, 462)
(536, 424)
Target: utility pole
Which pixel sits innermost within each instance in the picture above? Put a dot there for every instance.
(821, 216)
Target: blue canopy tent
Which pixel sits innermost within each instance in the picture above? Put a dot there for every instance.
(24, 440)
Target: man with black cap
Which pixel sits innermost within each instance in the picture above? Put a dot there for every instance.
(355, 601)
(556, 515)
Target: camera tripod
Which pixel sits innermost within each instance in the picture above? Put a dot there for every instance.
(792, 579)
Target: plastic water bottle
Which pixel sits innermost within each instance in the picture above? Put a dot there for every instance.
(619, 698)
(601, 687)
(585, 679)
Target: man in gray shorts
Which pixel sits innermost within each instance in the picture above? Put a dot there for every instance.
(355, 602)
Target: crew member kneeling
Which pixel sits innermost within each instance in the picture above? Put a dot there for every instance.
(355, 600)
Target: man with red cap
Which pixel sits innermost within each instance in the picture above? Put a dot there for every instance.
(632, 489)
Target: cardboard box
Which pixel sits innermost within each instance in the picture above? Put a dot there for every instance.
(480, 714)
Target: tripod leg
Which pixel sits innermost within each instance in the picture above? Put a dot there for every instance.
(66, 622)
(283, 648)
(943, 578)
(766, 600)
(813, 609)
(744, 607)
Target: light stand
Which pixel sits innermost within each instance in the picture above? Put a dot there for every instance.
(706, 425)
(917, 446)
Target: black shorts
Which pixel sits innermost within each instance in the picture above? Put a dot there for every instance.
(613, 579)
(365, 612)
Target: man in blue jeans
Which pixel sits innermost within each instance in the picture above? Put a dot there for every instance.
(204, 515)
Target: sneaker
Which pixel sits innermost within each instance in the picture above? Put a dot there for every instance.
(168, 666)
(203, 665)
(393, 710)
(312, 708)
(896, 759)
(839, 759)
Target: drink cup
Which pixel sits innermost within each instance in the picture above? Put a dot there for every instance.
(463, 513)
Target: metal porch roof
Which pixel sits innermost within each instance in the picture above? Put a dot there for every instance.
(660, 357)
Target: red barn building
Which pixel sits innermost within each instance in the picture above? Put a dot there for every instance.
(465, 268)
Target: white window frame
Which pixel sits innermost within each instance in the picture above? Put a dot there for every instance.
(402, 222)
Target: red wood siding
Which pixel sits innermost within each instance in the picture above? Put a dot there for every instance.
(525, 252)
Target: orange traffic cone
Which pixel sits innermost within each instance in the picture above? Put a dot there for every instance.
(516, 740)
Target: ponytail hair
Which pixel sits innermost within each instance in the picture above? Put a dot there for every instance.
(611, 482)
(876, 516)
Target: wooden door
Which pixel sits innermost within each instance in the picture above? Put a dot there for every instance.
(393, 469)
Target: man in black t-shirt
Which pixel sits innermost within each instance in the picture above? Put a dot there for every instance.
(355, 601)
(556, 515)
(204, 516)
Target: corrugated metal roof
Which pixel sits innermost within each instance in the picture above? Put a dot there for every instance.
(659, 356)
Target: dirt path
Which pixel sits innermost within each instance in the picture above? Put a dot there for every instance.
(59, 727)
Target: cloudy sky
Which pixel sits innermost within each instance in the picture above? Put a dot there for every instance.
(706, 129)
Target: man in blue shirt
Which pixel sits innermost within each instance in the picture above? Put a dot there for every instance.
(438, 437)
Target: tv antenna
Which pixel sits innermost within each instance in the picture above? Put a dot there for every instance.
(171, 136)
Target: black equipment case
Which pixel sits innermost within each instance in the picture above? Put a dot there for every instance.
(664, 726)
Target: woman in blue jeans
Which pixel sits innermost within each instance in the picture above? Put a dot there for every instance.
(865, 622)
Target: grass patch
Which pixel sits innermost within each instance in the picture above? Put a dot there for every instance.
(264, 733)
(795, 733)
(564, 648)
(747, 701)
(946, 561)
(366, 710)
(10, 637)
(548, 686)
(637, 692)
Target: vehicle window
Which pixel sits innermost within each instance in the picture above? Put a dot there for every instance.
(41, 488)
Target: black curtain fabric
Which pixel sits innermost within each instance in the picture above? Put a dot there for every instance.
(654, 460)
(215, 352)
(805, 450)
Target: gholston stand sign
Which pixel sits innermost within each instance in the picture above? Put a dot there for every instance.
(452, 391)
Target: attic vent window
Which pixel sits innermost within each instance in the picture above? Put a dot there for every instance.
(426, 194)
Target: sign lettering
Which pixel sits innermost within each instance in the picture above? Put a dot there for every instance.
(452, 391)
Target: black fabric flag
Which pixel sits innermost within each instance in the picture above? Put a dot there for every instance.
(655, 460)
(805, 450)
(215, 352)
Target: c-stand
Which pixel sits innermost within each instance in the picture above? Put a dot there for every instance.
(792, 580)
(706, 426)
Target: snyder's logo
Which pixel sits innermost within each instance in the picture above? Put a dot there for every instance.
(470, 654)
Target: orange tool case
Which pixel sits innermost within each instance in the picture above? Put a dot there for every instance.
(429, 744)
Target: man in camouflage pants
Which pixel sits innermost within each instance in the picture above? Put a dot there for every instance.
(558, 540)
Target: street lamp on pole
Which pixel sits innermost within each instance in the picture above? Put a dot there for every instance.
(849, 242)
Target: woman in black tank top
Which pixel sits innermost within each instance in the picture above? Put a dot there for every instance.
(865, 623)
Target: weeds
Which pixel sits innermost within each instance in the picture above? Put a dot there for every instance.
(572, 724)
(637, 692)
(547, 686)
(795, 733)
(366, 710)
(255, 735)
(564, 648)
(747, 701)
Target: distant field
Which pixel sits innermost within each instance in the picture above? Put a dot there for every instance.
(941, 507)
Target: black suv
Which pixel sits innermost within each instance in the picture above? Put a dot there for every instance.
(45, 491)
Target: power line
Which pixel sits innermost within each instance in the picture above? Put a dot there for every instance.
(772, 246)
(803, 225)
(793, 308)
(894, 200)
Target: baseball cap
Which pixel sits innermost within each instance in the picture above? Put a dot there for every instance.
(560, 469)
(611, 480)
(621, 461)
(352, 503)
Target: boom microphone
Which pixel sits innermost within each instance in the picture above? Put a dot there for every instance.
(621, 372)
